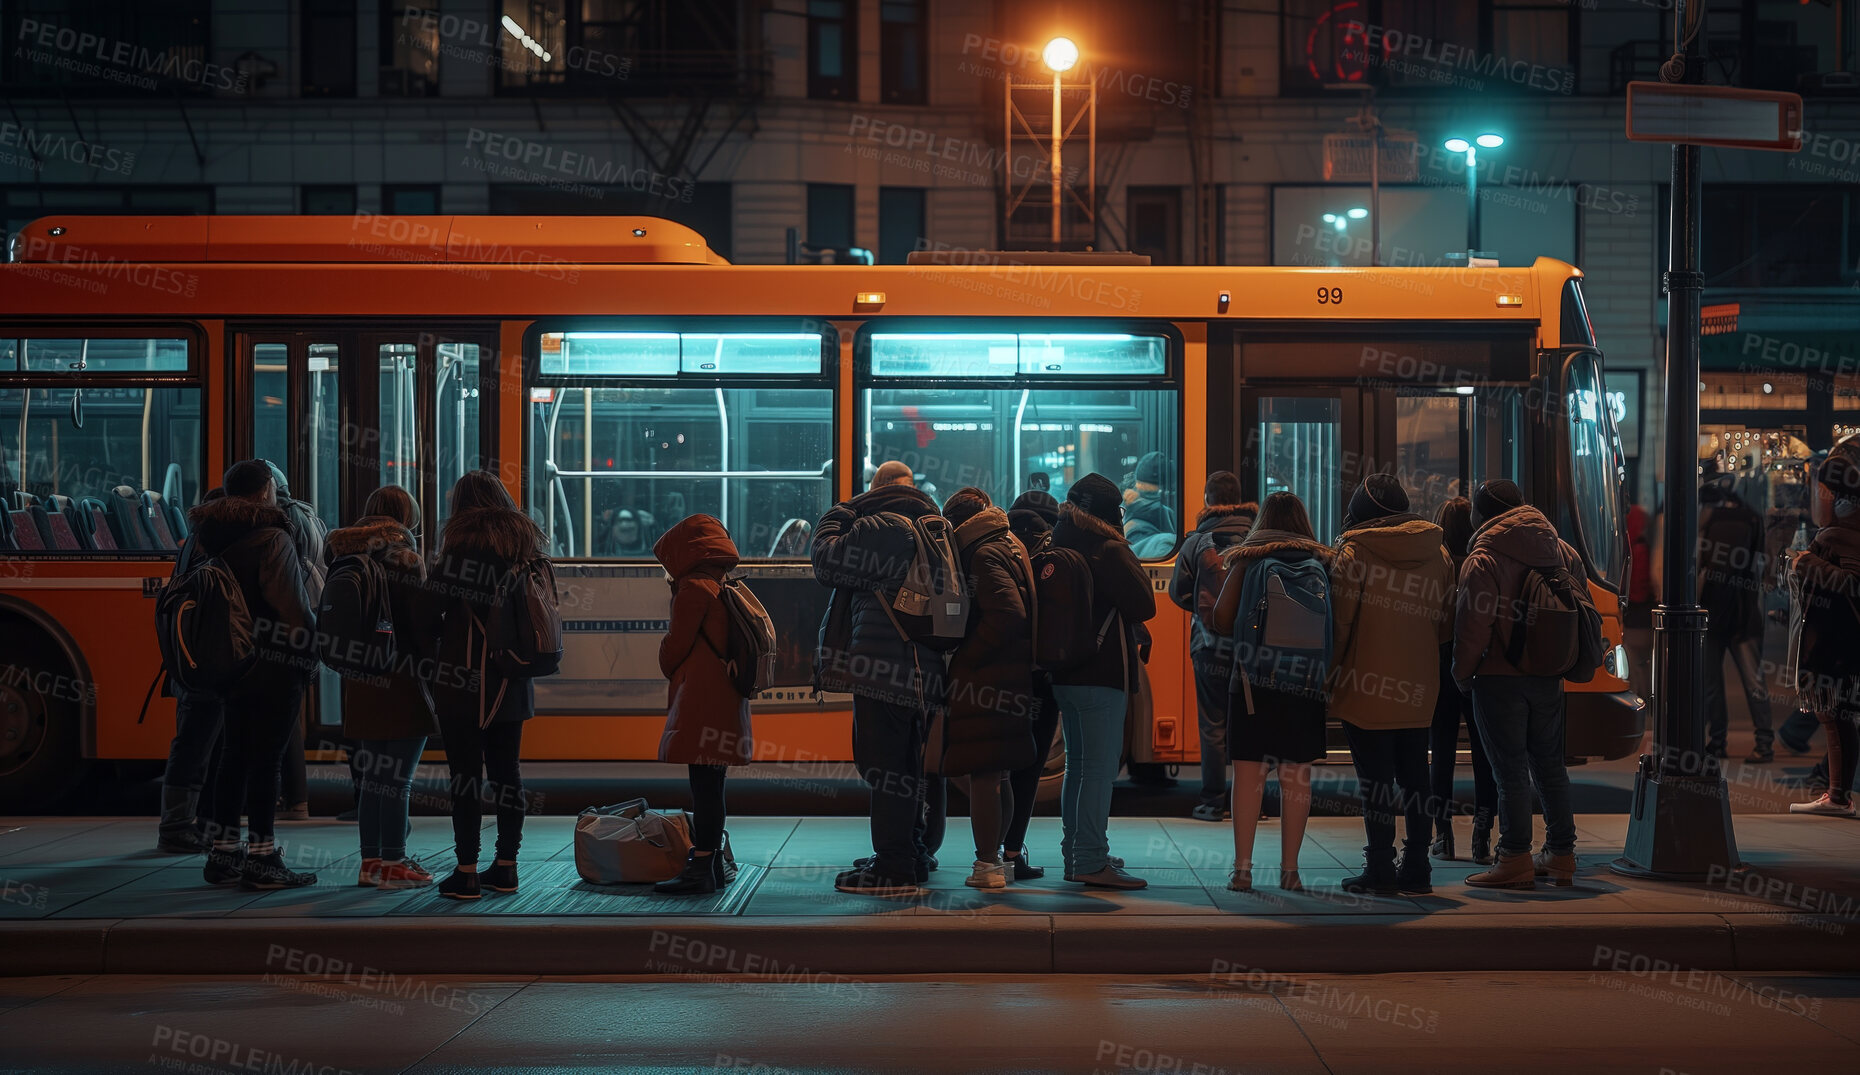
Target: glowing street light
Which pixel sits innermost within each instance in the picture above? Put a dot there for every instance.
(1061, 55)
(1456, 144)
(1358, 213)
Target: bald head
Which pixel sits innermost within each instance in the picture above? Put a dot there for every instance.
(892, 473)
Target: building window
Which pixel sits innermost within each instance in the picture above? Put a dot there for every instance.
(902, 44)
(830, 216)
(410, 200)
(140, 47)
(606, 48)
(901, 224)
(832, 50)
(327, 200)
(328, 54)
(1791, 235)
(1444, 46)
(1155, 215)
(409, 50)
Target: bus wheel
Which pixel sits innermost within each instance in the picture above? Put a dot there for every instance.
(39, 714)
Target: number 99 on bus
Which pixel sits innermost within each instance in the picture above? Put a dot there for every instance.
(1330, 296)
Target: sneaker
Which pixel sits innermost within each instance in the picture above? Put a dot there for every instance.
(1825, 805)
(390, 876)
(1109, 860)
(223, 867)
(188, 842)
(986, 874)
(370, 875)
(1213, 811)
(1023, 870)
(1112, 876)
(872, 883)
(263, 873)
(500, 877)
(460, 886)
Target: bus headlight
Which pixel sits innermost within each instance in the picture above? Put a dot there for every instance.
(1615, 662)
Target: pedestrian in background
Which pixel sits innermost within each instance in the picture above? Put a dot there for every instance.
(1200, 569)
(1824, 587)
(1392, 585)
(706, 720)
(1452, 710)
(1731, 538)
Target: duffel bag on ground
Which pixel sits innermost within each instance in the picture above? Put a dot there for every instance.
(630, 844)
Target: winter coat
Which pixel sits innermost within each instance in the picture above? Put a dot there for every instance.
(1492, 585)
(992, 700)
(1119, 584)
(1824, 587)
(1199, 569)
(863, 551)
(1391, 594)
(706, 721)
(479, 548)
(1731, 569)
(254, 540)
(399, 703)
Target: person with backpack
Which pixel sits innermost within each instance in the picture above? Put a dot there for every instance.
(1824, 589)
(1031, 519)
(1453, 709)
(992, 702)
(706, 719)
(1274, 606)
(489, 561)
(1502, 625)
(193, 753)
(309, 534)
(865, 550)
(1392, 587)
(1109, 596)
(1731, 558)
(248, 591)
(374, 579)
(1195, 586)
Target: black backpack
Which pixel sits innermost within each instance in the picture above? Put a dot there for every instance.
(204, 629)
(355, 620)
(523, 636)
(931, 606)
(1064, 635)
(1558, 631)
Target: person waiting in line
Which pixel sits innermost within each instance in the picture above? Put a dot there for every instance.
(1521, 717)
(251, 535)
(862, 550)
(1392, 600)
(706, 720)
(482, 715)
(1452, 710)
(390, 715)
(992, 703)
(1031, 518)
(193, 754)
(308, 533)
(1824, 588)
(1731, 592)
(1280, 727)
(1094, 697)
(1196, 584)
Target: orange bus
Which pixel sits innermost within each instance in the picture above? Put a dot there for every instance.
(619, 375)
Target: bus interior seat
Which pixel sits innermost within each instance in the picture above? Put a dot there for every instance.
(97, 523)
(26, 536)
(126, 520)
(67, 526)
(58, 529)
(177, 520)
(6, 527)
(795, 538)
(156, 520)
(42, 521)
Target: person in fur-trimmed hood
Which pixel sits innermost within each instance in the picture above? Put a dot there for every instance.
(1094, 697)
(1195, 586)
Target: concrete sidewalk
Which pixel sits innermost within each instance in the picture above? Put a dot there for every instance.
(86, 896)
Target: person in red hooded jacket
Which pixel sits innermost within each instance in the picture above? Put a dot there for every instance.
(707, 722)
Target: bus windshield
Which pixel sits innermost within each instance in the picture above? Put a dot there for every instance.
(1596, 467)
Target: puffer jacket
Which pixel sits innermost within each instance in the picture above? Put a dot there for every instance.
(1824, 587)
(1392, 605)
(706, 721)
(1119, 585)
(398, 704)
(1200, 570)
(254, 540)
(1492, 584)
(1731, 548)
(479, 548)
(863, 554)
(992, 701)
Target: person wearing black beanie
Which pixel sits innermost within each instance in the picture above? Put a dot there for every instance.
(1031, 519)
(1494, 498)
(1379, 497)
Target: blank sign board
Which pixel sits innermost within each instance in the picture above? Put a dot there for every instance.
(1714, 116)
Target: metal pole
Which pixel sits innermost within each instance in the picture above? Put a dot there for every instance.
(1375, 186)
(1059, 139)
(1472, 203)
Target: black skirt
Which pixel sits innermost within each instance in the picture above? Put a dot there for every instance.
(1282, 727)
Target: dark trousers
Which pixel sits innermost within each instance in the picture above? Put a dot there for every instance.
(484, 768)
(1451, 709)
(1798, 730)
(293, 778)
(1391, 767)
(385, 793)
(1843, 751)
(933, 814)
(258, 720)
(888, 748)
(1521, 722)
(707, 809)
(1025, 783)
(1743, 653)
(187, 783)
(1211, 716)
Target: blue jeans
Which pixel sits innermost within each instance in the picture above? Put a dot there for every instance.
(1521, 723)
(387, 767)
(1093, 719)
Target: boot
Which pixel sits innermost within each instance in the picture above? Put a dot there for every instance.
(1378, 876)
(178, 834)
(702, 874)
(1514, 870)
(1482, 838)
(1415, 875)
(1560, 869)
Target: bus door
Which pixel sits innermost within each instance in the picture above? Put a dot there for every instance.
(1308, 440)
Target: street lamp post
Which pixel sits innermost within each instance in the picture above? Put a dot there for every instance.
(1471, 150)
(1060, 56)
